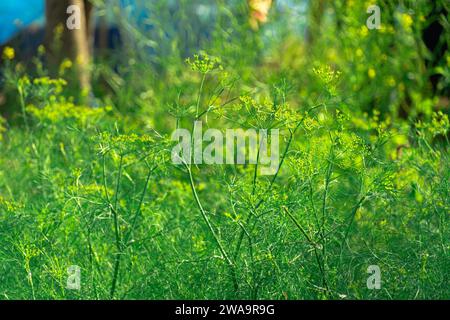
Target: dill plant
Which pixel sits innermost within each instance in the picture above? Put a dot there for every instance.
(357, 185)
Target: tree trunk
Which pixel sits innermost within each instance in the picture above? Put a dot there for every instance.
(74, 44)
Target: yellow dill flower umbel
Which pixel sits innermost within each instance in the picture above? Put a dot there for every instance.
(406, 20)
(9, 53)
(66, 64)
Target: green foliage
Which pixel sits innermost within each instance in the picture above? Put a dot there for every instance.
(358, 185)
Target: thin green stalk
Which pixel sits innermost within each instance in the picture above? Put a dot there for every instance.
(320, 263)
(30, 280)
(241, 235)
(22, 106)
(92, 256)
(352, 218)
(252, 257)
(211, 229)
(255, 173)
(113, 210)
(311, 197)
(139, 208)
(324, 215)
(200, 91)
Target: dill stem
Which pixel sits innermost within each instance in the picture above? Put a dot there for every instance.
(210, 227)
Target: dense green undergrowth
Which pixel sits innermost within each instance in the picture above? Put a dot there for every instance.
(79, 189)
(95, 187)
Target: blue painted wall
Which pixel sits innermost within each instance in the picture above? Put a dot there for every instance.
(15, 15)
